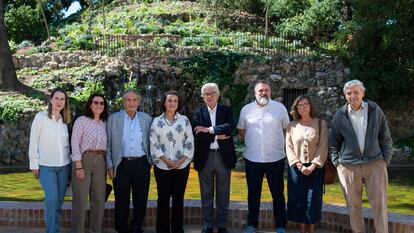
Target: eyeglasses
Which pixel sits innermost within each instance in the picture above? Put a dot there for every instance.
(305, 105)
(95, 102)
(210, 94)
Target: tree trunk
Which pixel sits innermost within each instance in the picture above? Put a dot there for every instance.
(267, 17)
(40, 2)
(8, 77)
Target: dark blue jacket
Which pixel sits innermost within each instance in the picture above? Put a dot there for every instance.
(224, 125)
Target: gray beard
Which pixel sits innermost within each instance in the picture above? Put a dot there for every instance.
(262, 101)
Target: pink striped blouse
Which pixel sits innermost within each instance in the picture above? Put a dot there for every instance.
(87, 134)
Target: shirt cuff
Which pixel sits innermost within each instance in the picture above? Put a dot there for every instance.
(211, 129)
(34, 164)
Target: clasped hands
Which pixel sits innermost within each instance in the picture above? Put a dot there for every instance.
(173, 164)
(203, 129)
(305, 170)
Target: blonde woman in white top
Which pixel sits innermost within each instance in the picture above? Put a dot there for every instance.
(172, 148)
(49, 154)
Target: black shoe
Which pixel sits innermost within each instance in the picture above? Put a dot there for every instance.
(207, 230)
(222, 230)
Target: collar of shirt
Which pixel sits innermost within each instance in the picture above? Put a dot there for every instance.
(175, 117)
(59, 120)
(130, 118)
(363, 106)
(212, 110)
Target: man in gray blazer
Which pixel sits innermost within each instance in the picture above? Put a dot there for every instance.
(128, 162)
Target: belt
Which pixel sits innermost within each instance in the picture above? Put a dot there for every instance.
(215, 150)
(132, 158)
(96, 152)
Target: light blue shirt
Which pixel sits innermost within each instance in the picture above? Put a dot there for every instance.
(132, 139)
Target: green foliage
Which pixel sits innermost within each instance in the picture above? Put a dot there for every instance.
(80, 96)
(24, 23)
(25, 44)
(381, 49)
(12, 108)
(13, 46)
(284, 9)
(164, 42)
(318, 21)
(130, 85)
(218, 67)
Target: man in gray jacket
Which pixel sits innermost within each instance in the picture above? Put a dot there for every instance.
(361, 148)
(128, 162)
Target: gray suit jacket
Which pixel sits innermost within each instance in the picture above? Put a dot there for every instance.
(115, 133)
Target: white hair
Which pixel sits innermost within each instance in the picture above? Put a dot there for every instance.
(352, 83)
(213, 85)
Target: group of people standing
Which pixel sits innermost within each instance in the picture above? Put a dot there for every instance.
(124, 145)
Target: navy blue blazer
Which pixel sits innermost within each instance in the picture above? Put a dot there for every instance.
(224, 125)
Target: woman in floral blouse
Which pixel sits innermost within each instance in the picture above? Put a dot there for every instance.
(89, 165)
(172, 147)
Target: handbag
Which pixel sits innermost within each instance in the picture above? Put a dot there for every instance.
(329, 176)
(329, 168)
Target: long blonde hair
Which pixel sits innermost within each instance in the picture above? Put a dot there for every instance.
(65, 112)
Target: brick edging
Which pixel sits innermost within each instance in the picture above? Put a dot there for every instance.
(334, 217)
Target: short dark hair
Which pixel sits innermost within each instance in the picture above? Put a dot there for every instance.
(164, 98)
(88, 111)
(294, 109)
(261, 81)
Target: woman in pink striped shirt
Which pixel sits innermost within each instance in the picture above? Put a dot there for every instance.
(89, 140)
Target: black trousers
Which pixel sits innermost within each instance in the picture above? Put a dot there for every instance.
(131, 175)
(171, 184)
(254, 176)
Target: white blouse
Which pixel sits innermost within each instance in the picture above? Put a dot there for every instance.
(172, 140)
(49, 142)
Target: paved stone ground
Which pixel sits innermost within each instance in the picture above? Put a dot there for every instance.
(187, 229)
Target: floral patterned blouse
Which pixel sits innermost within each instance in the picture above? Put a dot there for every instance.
(172, 140)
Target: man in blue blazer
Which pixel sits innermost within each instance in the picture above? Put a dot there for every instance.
(128, 162)
(214, 157)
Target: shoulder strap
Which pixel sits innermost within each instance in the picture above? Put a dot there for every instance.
(319, 128)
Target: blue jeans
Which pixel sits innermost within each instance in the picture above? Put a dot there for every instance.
(53, 181)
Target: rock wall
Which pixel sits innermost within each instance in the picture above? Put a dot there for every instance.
(14, 142)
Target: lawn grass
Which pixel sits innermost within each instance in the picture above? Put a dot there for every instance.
(23, 187)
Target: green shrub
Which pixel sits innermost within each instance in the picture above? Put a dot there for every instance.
(143, 29)
(81, 95)
(284, 9)
(319, 20)
(13, 46)
(25, 44)
(165, 43)
(380, 43)
(24, 23)
(12, 108)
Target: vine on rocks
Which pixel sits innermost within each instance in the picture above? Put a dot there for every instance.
(218, 67)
